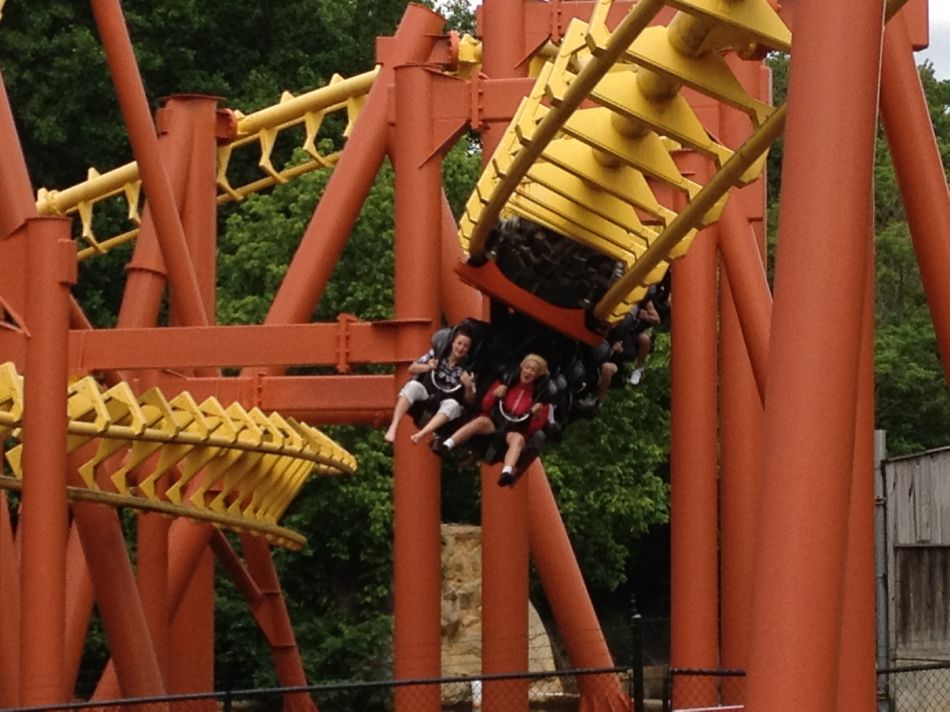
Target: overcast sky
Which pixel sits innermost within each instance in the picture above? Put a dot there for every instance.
(939, 50)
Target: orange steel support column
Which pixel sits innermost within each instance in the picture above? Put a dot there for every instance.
(745, 312)
(123, 617)
(457, 298)
(274, 621)
(326, 234)
(10, 624)
(567, 595)
(192, 121)
(502, 33)
(920, 175)
(749, 287)
(44, 516)
(416, 552)
(857, 683)
(192, 633)
(196, 116)
(694, 609)
(79, 602)
(16, 194)
(740, 452)
(504, 589)
(184, 292)
(813, 357)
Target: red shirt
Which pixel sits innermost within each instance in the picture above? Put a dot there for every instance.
(517, 401)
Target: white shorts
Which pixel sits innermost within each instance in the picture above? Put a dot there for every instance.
(414, 391)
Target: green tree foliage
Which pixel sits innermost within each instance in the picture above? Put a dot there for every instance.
(913, 402)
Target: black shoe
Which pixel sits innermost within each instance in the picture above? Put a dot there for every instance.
(436, 445)
(507, 479)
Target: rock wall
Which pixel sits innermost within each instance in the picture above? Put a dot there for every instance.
(462, 607)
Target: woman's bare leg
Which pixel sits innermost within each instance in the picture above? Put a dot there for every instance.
(435, 422)
(401, 408)
(481, 425)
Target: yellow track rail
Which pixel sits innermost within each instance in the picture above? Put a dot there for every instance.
(586, 150)
(260, 129)
(232, 467)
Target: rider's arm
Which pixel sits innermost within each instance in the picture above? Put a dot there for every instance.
(538, 419)
(468, 384)
(491, 395)
(425, 363)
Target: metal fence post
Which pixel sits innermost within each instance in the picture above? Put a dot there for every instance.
(637, 627)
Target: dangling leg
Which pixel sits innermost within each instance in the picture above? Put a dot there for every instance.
(410, 393)
(482, 425)
(449, 409)
(515, 448)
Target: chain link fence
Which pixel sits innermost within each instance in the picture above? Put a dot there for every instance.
(918, 688)
(915, 688)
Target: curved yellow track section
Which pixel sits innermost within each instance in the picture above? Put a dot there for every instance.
(235, 468)
(587, 151)
(302, 114)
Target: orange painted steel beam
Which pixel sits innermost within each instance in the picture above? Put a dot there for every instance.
(458, 300)
(503, 511)
(340, 344)
(44, 517)
(117, 600)
(489, 279)
(274, 621)
(417, 503)
(857, 674)
(744, 323)
(185, 292)
(740, 465)
(79, 603)
(749, 287)
(694, 634)
(920, 175)
(505, 526)
(10, 593)
(329, 228)
(16, 206)
(566, 592)
(813, 357)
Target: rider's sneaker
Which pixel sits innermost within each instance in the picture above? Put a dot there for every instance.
(636, 376)
(507, 479)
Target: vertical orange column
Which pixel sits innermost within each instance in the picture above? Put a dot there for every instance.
(694, 608)
(745, 310)
(502, 32)
(857, 684)
(123, 618)
(504, 589)
(920, 174)
(190, 121)
(504, 510)
(417, 548)
(813, 357)
(567, 595)
(79, 602)
(10, 625)
(44, 518)
(740, 452)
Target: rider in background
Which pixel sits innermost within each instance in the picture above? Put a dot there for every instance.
(449, 372)
(513, 409)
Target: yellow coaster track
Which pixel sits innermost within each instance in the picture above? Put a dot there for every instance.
(235, 468)
(589, 146)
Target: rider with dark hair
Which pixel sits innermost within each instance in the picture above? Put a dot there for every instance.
(445, 380)
(515, 410)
